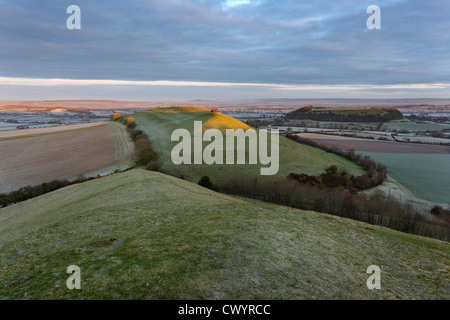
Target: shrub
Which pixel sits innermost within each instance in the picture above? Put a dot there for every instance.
(437, 210)
(2, 202)
(332, 169)
(143, 151)
(154, 165)
(116, 116)
(206, 182)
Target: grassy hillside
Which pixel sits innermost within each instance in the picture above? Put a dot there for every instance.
(159, 124)
(145, 235)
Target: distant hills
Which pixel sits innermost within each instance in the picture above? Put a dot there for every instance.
(345, 114)
(284, 104)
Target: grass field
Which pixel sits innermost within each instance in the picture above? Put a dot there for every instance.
(46, 154)
(394, 125)
(145, 235)
(413, 126)
(160, 123)
(422, 169)
(362, 144)
(427, 176)
(331, 124)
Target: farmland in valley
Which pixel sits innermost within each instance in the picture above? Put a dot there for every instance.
(413, 126)
(422, 169)
(427, 176)
(361, 144)
(30, 157)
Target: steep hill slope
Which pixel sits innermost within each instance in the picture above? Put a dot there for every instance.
(159, 124)
(145, 235)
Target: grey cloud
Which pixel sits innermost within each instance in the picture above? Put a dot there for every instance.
(299, 42)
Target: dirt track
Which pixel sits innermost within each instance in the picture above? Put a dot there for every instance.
(64, 154)
(360, 144)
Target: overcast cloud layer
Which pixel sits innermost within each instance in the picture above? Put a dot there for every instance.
(284, 42)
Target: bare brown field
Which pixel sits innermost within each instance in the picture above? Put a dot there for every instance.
(50, 154)
(368, 145)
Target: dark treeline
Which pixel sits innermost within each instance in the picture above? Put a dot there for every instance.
(29, 192)
(374, 176)
(376, 209)
(144, 153)
(332, 178)
(362, 115)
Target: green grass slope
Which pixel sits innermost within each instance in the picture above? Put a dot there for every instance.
(146, 235)
(159, 124)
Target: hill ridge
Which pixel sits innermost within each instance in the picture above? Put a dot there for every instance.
(146, 235)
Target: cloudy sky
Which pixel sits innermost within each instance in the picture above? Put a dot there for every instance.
(224, 49)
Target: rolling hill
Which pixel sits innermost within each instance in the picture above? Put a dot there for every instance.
(345, 114)
(159, 124)
(146, 235)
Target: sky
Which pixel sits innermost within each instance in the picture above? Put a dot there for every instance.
(224, 50)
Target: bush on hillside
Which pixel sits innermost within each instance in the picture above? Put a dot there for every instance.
(153, 165)
(206, 182)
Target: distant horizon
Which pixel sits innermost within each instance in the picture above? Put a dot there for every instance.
(221, 100)
(33, 89)
(227, 104)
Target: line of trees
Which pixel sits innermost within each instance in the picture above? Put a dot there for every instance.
(332, 178)
(29, 192)
(376, 209)
(143, 150)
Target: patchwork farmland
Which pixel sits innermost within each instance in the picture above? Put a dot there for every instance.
(361, 144)
(423, 169)
(35, 156)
